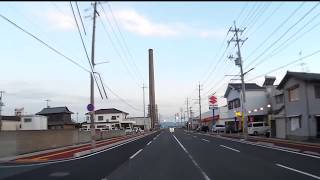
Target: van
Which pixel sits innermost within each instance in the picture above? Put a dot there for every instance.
(258, 128)
(219, 128)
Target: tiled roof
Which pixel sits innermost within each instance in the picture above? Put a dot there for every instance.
(54, 110)
(299, 75)
(108, 111)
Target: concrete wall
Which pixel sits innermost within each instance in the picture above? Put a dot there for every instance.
(10, 125)
(20, 142)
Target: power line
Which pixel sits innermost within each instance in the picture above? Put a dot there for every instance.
(275, 30)
(266, 19)
(276, 41)
(283, 66)
(42, 42)
(122, 37)
(85, 49)
(259, 15)
(84, 29)
(118, 53)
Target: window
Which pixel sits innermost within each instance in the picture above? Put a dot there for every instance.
(258, 125)
(27, 119)
(279, 99)
(237, 103)
(317, 91)
(117, 116)
(101, 126)
(230, 105)
(293, 94)
(295, 123)
(113, 117)
(100, 118)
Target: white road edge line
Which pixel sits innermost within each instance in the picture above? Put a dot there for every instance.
(230, 148)
(308, 174)
(205, 140)
(194, 162)
(135, 154)
(149, 143)
(81, 157)
(279, 149)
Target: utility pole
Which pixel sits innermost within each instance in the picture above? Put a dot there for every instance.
(47, 102)
(144, 103)
(199, 104)
(1, 104)
(239, 62)
(188, 113)
(92, 127)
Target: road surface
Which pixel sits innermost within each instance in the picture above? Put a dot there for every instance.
(177, 155)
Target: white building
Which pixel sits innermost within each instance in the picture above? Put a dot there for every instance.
(10, 123)
(34, 122)
(107, 119)
(142, 122)
(256, 102)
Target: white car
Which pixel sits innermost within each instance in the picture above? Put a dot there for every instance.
(219, 128)
(128, 130)
(258, 128)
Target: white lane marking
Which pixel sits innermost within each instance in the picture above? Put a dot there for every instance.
(279, 149)
(205, 140)
(230, 148)
(135, 154)
(81, 157)
(149, 143)
(308, 174)
(194, 162)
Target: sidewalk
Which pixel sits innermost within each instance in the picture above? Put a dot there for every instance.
(66, 152)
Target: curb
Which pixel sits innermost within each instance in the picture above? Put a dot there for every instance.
(86, 152)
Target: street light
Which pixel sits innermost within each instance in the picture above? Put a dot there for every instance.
(269, 106)
(255, 110)
(261, 108)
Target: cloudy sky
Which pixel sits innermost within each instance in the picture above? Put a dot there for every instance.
(189, 41)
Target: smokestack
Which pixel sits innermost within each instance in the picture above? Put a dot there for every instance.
(152, 103)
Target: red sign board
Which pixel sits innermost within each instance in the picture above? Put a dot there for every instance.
(212, 100)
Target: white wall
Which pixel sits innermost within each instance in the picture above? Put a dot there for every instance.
(107, 117)
(37, 122)
(140, 121)
(10, 125)
(254, 100)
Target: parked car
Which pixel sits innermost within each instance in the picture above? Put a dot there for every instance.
(205, 128)
(219, 128)
(128, 130)
(258, 128)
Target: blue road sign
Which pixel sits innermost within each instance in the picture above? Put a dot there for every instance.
(90, 107)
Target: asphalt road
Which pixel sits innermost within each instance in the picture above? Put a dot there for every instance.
(179, 155)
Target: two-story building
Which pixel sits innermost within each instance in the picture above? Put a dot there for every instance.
(301, 99)
(256, 99)
(58, 117)
(107, 119)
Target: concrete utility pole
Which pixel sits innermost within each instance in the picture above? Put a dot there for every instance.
(92, 127)
(188, 121)
(1, 104)
(152, 103)
(144, 107)
(238, 62)
(199, 103)
(144, 102)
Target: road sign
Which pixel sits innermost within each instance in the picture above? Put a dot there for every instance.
(90, 107)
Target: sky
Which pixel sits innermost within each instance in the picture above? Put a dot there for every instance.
(190, 46)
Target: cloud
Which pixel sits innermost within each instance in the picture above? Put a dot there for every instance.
(60, 21)
(214, 33)
(132, 21)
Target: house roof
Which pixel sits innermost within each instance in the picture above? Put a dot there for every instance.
(108, 111)
(54, 110)
(269, 80)
(299, 75)
(10, 118)
(238, 86)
